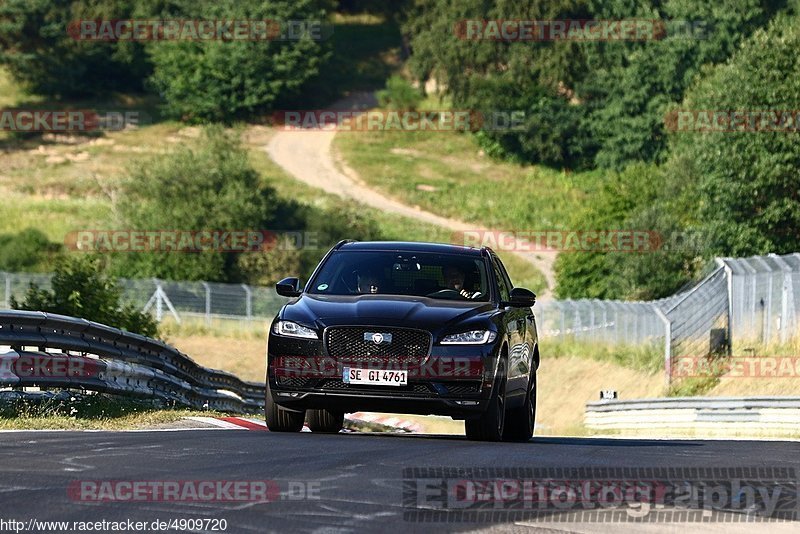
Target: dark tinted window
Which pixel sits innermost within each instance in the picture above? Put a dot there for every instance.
(444, 276)
(503, 284)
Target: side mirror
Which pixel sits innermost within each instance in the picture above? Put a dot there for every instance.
(522, 298)
(289, 287)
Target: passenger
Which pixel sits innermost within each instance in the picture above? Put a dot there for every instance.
(369, 282)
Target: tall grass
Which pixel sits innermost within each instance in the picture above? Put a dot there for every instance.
(646, 358)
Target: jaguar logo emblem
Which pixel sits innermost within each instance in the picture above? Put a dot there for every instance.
(378, 337)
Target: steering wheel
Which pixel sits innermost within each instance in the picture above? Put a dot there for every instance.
(444, 293)
(452, 293)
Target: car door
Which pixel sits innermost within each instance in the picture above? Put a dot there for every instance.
(515, 320)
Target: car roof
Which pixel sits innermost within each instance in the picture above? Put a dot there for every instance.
(411, 246)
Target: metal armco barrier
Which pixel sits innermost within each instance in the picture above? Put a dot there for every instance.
(703, 414)
(100, 358)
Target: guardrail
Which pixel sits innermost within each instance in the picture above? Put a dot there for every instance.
(100, 358)
(727, 414)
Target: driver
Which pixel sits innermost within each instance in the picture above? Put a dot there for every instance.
(454, 279)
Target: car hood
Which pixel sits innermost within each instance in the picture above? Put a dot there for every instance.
(382, 310)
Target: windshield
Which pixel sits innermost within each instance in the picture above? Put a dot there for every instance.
(441, 276)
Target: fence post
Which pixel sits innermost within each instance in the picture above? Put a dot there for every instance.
(159, 302)
(729, 284)
(8, 290)
(248, 301)
(785, 290)
(667, 344)
(208, 302)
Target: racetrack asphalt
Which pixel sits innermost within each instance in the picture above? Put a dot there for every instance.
(356, 480)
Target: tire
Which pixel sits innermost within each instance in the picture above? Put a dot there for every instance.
(325, 421)
(280, 419)
(489, 425)
(520, 422)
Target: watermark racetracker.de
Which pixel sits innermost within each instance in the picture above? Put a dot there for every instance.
(733, 121)
(112, 30)
(190, 241)
(580, 30)
(75, 121)
(443, 120)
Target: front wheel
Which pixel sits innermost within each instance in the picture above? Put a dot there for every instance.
(325, 421)
(520, 421)
(280, 419)
(489, 426)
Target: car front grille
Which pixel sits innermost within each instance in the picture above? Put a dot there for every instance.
(407, 349)
(292, 382)
(464, 388)
(339, 385)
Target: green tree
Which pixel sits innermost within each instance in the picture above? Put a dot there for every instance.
(221, 80)
(588, 103)
(40, 53)
(80, 289)
(748, 185)
(630, 88)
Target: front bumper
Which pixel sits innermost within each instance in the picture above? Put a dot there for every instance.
(454, 380)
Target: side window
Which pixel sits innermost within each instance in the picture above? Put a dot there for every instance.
(505, 273)
(502, 280)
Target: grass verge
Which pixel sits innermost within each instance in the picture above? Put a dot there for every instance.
(447, 173)
(77, 411)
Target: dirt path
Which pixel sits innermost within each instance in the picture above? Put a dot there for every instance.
(307, 156)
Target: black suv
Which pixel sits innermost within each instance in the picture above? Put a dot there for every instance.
(405, 327)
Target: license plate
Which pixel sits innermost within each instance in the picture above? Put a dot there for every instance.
(374, 377)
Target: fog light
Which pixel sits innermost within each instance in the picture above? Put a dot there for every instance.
(467, 403)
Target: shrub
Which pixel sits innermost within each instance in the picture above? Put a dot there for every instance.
(27, 251)
(80, 289)
(399, 95)
(641, 198)
(207, 184)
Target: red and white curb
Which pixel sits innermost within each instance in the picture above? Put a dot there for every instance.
(237, 423)
(251, 423)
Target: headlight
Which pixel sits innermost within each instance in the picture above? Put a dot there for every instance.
(473, 337)
(288, 328)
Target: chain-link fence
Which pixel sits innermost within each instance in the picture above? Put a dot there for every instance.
(163, 298)
(753, 300)
(750, 300)
(765, 298)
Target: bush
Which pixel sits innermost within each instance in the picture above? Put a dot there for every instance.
(399, 95)
(550, 132)
(641, 198)
(80, 289)
(224, 80)
(264, 268)
(207, 184)
(27, 251)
